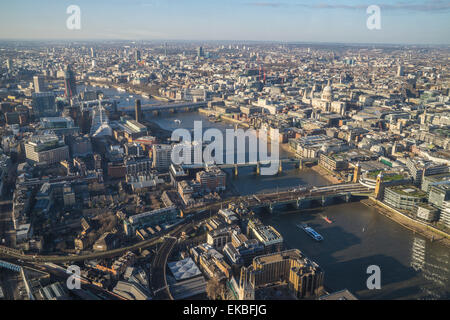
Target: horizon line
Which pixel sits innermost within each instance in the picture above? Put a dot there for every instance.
(221, 40)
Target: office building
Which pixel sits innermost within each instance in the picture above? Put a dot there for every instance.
(9, 64)
(339, 295)
(267, 235)
(162, 156)
(435, 179)
(153, 218)
(131, 129)
(241, 251)
(333, 162)
(80, 146)
(404, 197)
(200, 53)
(218, 238)
(438, 194)
(427, 212)
(57, 123)
(400, 71)
(137, 56)
(303, 276)
(70, 85)
(39, 84)
(68, 195)
(444, 218)
(138, 166)
(213, 179)
(88, 95)
(44, 104)
(48, 149)
(419, 169)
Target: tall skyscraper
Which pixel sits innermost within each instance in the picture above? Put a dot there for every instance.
(200, 52)
(92, 53)
(400, 71)
(39, 85)
(70, 83)
(137, 56)
(138, 111)
(9, 64)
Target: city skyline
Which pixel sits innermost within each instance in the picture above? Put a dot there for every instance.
(205, 152)
(416, 22)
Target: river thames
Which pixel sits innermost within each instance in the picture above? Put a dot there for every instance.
(411, 266)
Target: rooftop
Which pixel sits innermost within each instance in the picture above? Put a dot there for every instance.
(408, 190)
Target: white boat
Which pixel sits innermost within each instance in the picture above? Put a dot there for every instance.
(177, 121)
(121, 90)
(311, 232)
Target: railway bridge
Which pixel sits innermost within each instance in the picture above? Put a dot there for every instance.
(304, 198)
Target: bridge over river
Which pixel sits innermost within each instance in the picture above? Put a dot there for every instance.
(303, 198)
(300, 163)
(173, 107)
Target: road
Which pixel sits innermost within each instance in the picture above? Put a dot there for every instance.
(158, 280)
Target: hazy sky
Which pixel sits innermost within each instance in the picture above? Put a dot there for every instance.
(402, 21)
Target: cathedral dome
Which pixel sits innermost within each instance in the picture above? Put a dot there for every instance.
(327, 93)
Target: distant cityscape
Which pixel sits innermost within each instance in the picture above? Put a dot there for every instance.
(88, 180)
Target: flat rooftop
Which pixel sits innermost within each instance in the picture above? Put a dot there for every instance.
(339, 295)
(274, 257)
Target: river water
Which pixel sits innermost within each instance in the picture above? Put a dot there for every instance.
(248, 182)
(412, 267)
